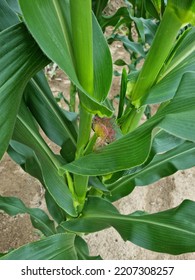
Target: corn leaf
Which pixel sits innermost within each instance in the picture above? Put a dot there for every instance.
(26, 132)
(83, 250)
(162, 165)
(14, 206)
(82, 39)
(131, 150)
(55, 211)
(7, 16)
(56, 247)
(56, 40)
(185, 10)
(129, 45)
(171, 231)
(153, 7)
(98, 7)
(26, 158)
(20, 59)
(62, 246)
(121, 16)
(55, 122)
(14, 5)
(181, 61)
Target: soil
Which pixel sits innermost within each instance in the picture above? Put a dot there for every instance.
(164, 194)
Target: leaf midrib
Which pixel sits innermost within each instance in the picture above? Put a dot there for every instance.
(133, 219)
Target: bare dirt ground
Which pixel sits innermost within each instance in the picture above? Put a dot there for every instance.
(165, 194)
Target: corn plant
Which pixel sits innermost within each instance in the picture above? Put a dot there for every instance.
(104, 154)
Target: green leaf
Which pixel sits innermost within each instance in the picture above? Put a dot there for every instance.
(102, 63)
(132, 150)
(7, 16)
(29, 162)
(181, 61)
(162, 165)
(153, 66)
(56, 247)
(20, 59)
(123, 89)
(98, 7)
(83, 250)
(26, 158)
(129, 45)
(115, 20)
(152, 8)
(96, 183)
(14, 5)
(171, 231)
(146, 29)
(164, 142)
(1, 255)
(180, 113)
(122, 154)
(26, 133)
(82, 39)
(55, 122)
(55, 211)
(14, 206)
(62, 246)
(185, 10)
(56, 34)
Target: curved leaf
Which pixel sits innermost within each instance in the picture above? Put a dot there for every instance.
(56, 247)
(7, 16)
(185, 10)
(26, 158)
(14, 206)
(129, 45)
(56, 34)
(162, 165)
(26, 133)
(20, 59)
(14, 6)
(180, 112)
(55, 211)
(181, 62)
(62, 246)
(128, 151)
(113, 20)
(147, 29)
(153, 8)
(98, 7)
(53, 120)
(171, 231)
(152, 66)
(83, 250)
(131, 150)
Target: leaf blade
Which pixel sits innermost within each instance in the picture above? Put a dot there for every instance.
(17, 67)
(58, 36)
(26, 132)
(131, 150)
(55, 247)
(14, 206)
(171, 231)
(162, 165)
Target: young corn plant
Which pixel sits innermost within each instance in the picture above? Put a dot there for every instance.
(103, 154)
